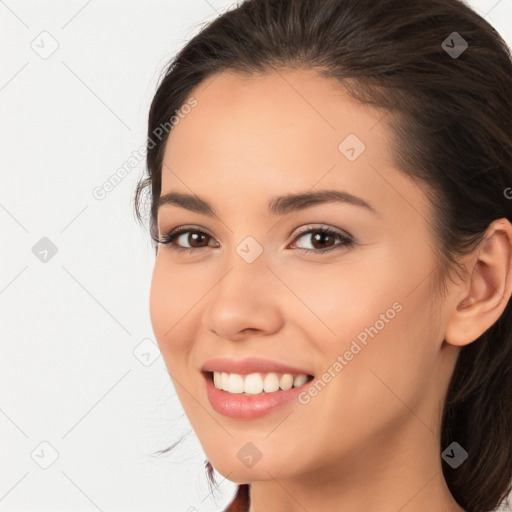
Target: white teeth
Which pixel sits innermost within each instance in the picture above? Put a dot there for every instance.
(236, 383)
(271, 383)
(224, 380)
(299, 380)
(286, 381)
(253, 384)
(256, 383)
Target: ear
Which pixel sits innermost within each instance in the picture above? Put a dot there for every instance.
(487, 288)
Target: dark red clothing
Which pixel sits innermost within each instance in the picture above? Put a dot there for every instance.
(240, 502)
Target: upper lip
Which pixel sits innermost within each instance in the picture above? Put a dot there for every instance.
(249, 365)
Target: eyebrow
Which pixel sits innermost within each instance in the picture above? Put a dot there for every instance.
(279, 205)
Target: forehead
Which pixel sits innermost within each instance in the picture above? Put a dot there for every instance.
(277, 132)
(277, 114)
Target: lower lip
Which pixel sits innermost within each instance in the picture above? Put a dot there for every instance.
(245, 406)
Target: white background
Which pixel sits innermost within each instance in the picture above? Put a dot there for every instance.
(76, 327)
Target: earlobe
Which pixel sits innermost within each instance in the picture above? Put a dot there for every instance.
(487, 288)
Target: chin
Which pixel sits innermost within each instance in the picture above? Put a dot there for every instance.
(234, 471)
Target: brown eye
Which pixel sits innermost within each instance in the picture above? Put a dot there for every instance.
(185, 238)
(320, 239)
(323, 239)
(195, 239)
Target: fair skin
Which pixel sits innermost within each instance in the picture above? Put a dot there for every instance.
(369, 441)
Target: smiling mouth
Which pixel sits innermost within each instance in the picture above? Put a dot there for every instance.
(258, 383)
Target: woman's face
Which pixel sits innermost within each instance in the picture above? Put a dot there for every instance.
(357, 317)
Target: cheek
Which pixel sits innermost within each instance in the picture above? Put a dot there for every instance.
(340, 302)
(389, 373)
(171, 305)
(161, 294)
(385, 337)
(374, 390)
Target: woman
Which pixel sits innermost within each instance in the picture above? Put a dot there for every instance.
(330, 188)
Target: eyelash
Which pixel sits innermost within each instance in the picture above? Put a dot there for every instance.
(169, 238)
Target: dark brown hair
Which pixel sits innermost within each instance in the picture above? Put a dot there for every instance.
(451, 122)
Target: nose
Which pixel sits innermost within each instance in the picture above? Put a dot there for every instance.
(245, 302)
